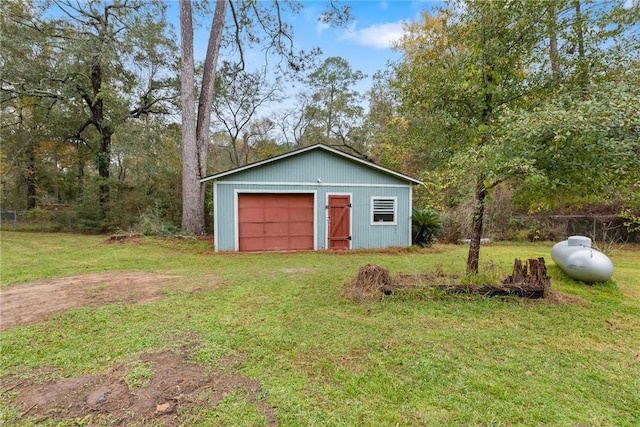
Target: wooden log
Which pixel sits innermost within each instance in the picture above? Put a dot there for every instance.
(528, 280)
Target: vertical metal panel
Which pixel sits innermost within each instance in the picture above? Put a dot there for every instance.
(410, 208)
(314, 166)
(216, 223)
(225, 222)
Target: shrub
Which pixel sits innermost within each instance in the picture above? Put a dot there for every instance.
(151, 222)
(426, 226)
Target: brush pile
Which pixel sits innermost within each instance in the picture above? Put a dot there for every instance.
(370, 284)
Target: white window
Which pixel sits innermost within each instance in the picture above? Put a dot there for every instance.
(384, 210)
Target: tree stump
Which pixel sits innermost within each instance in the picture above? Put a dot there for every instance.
(530, 280)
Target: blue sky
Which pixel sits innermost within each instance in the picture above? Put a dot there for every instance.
(365, 43)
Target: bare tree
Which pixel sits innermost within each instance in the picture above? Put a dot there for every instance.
(238, 99)
(293, 122)
(251, 22)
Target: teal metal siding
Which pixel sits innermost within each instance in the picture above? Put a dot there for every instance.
(311, 166)
(320, 173)
(364, 234)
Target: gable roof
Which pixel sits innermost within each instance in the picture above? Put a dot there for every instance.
(310, 148)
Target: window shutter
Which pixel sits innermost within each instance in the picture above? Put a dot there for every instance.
(384, 210)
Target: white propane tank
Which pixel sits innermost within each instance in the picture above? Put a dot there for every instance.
(580, 261)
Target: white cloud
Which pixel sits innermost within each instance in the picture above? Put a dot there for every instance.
(377, 36)
(628, 4)
(321, 26)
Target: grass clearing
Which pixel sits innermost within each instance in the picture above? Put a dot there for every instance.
(280, 320)
(139, 374)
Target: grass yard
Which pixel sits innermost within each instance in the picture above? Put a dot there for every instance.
(273, 342)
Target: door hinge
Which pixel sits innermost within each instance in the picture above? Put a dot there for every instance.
(349, 238)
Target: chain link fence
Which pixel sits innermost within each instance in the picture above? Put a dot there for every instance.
(39, 220)
(599, 228)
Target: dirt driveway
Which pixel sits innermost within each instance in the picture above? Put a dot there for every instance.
(174, 383)
(33, 303)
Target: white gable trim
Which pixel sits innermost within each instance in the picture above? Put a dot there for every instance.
(313, 147)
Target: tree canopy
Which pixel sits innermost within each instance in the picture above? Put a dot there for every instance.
(90, 67)
(538, 97)
(483, 101)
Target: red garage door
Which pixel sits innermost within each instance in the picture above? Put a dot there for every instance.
(275, 222)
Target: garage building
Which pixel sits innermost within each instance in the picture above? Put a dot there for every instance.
(313, 198)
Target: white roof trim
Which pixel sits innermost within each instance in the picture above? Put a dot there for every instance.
(309, 148)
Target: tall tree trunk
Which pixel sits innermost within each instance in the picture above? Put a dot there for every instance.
(553, 39)
(103, 154)
(195, 130)
(104, 161)
(208, 85)
(480, 190)
(30, 175)
(583, 67)
(80, 193)
(192, 205)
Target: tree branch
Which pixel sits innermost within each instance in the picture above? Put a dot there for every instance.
(237, 34)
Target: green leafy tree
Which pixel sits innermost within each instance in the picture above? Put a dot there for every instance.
(461, 71)
(583, 136)
(488, 89)
(107, 63)
(25, 103)
(582, 150)
(335, 108)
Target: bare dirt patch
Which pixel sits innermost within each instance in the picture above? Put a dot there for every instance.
(34, 303)
(556, 297)
(174, 386)
(295, 270)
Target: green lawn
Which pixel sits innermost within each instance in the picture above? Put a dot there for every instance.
(323, 360)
